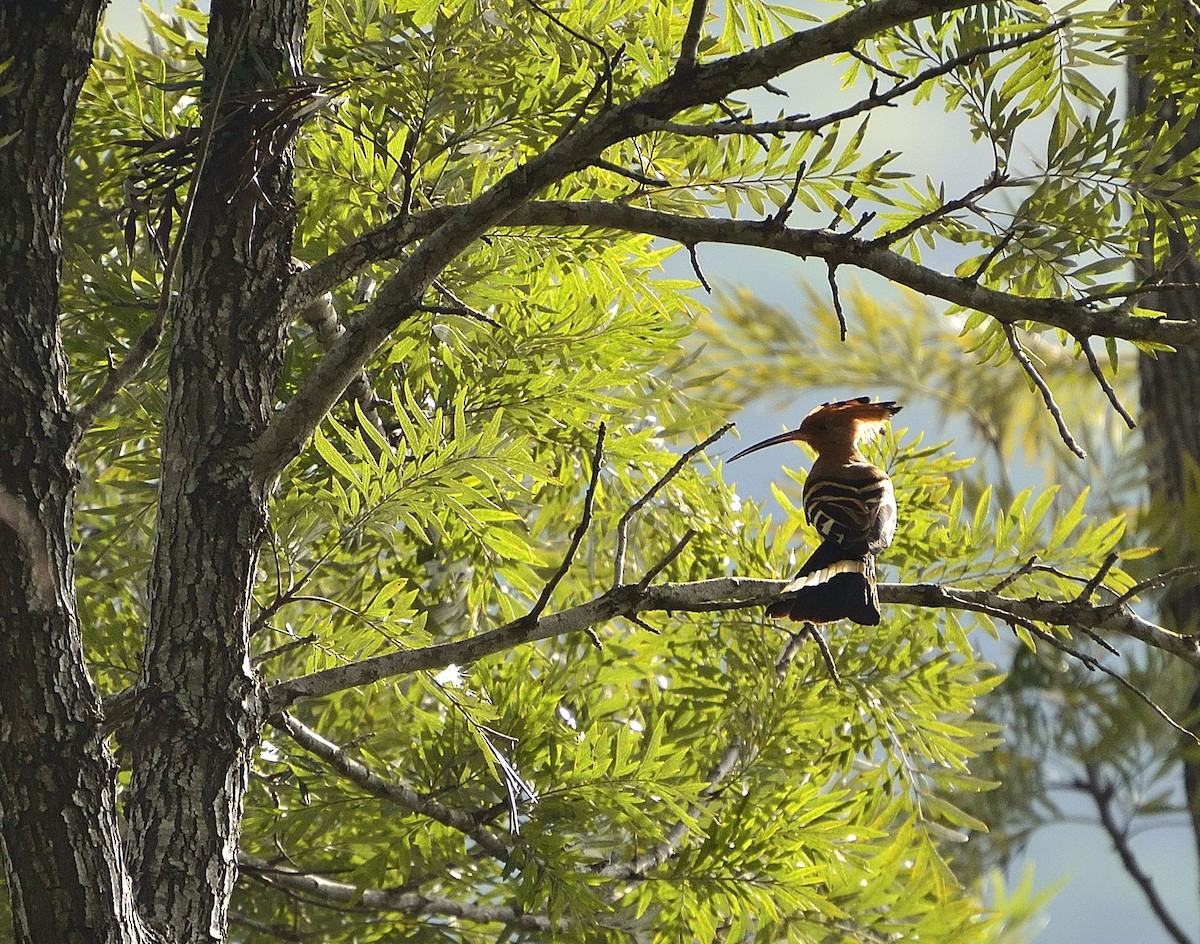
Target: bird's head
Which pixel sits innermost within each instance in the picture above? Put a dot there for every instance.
(835, 427)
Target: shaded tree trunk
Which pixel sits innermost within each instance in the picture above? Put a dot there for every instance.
(58, 814)
(1170, 407)
(201, 707)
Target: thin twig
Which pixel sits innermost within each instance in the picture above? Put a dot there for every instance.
(577, 538)
(464, 310)
(666, 849)
(636, 176)
(826, 653)
(1102, 794)
(608, 59)
(284, 649)
(397, 793)
(623, 524)
(1109, 392)
(1159, 580)
(1096, 665)
(837, 300)
(1015, 575)
(780, 216)
(905, 84)
(1024, 360)
(966, 201)
(147, 342)
(665, 562)
(638, 621)
(1097, 579)
(986, 264)
(690, 45)
(696, 268)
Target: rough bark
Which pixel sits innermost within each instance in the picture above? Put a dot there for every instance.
(201, 706)
(58, 815)
(1170, 402)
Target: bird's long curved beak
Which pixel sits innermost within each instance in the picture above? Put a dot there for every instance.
(790, 436)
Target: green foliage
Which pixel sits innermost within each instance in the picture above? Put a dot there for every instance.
(690, 785)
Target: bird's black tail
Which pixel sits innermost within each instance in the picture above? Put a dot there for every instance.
(831, 587)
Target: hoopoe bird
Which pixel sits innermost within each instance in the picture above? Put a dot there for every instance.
(853, 507)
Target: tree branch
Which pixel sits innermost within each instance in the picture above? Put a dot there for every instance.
(1023, 358)
(291, 426)
(1079, 317)
(723, 593)
(397, 793)
(692, 34)
(1102, 795)
(389, 899)
(585, 519)
(623, 524)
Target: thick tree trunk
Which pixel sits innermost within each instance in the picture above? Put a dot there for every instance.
(201, 706)
(1170, 402)
(58, 815)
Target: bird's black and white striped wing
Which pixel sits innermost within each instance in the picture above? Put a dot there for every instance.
(855, 510)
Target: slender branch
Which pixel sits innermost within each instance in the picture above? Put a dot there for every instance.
(1159, 580)
(721, 594)
(875, 99)
(577, 538)
(837, 300)
(692, 34)
(1102, 795)
(1078, 317)
(696, 268)
(397, 793)
(648, 577)
(1026, 363)
(967, 201)
(389, 899)
(635, 175)
(1097, 579)
(1109, 392)
(623, 524)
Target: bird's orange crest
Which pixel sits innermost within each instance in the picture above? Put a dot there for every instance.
(862, 416)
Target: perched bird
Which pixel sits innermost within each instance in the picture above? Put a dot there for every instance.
(851, 504)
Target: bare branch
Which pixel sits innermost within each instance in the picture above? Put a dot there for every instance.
(397, 793)
(1076, 316)
(662, 565)
(819, 638)
(696, 268)
(387, 899)
(967, 201)
(1097, 579)
(875, 99)
(635, 175)
(1109, 392)
(690, 45)
(1026, 363)
(837, 300)
(584, 521)
(719, 594)
(1159, 580)
(1101, 794)
(623, 524)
